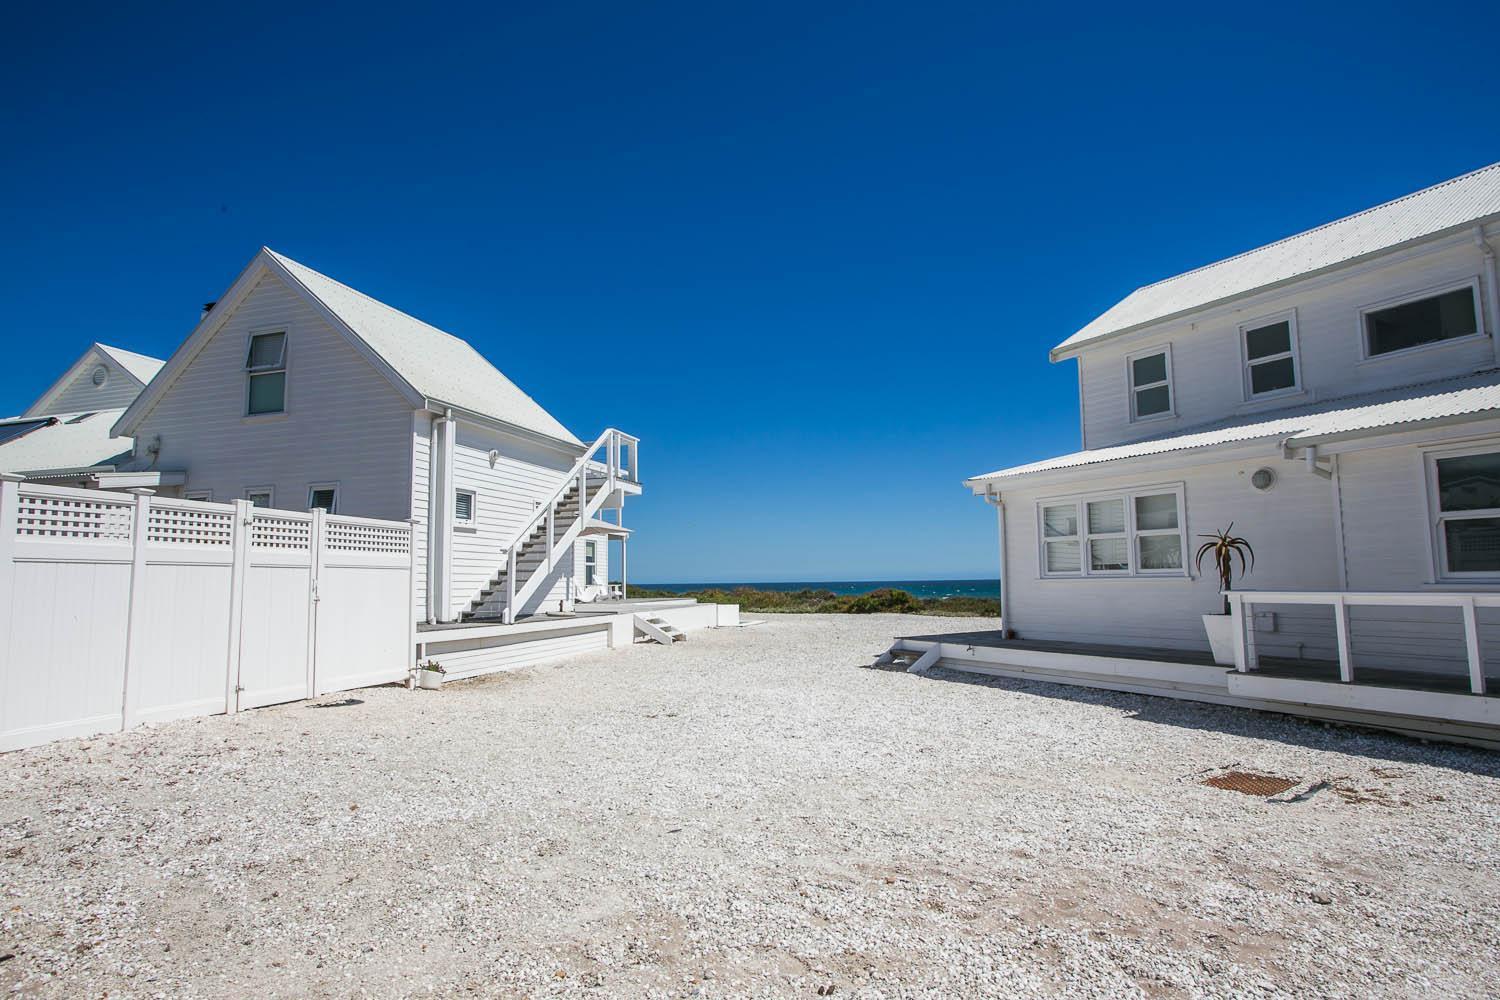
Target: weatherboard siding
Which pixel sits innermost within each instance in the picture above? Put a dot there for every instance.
(344, 422)
(1207, 368)
(81, 394)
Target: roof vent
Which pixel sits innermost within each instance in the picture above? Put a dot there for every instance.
(100, 376)
(208, 307)
(1262, 480)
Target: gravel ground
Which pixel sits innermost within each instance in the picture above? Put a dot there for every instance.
(749, 813)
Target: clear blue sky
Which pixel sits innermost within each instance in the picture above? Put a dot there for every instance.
(826, 250)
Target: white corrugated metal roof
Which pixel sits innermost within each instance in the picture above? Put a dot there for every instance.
(1433, 210)
(1444, 398)
(440, 366)
(75, 441)
(140, 366)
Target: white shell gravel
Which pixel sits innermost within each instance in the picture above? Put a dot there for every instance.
(746, 814)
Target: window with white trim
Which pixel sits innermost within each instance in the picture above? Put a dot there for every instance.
(590, 564)
(205, 495)
(1270, 353)
(260, 496)
(1419, 322)
(265, 364)
(1465, 491)
(1150, 383)
(465, 504)
(324, 496)
(1135, 533)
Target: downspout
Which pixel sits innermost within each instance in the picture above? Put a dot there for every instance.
(996, 501)
(440, 520)
(1491, 290)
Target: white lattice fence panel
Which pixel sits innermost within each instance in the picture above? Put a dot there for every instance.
(281, 531)
(68, 515)
(190, 523)
(358, 536)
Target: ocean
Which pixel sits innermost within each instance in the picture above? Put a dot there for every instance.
(917, 588)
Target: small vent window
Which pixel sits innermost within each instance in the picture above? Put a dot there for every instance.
(463, 507)
(323, 498)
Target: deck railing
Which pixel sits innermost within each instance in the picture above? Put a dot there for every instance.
(1242, 607)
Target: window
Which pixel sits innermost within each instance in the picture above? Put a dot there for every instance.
(463, 508)
(324, 496)
(198, 495)
(1417, 322)
(1139, 533)
(590, 564)
(1270, 348)
(266, 364)
(1150, 384)
(260, 496)
(1466, 488)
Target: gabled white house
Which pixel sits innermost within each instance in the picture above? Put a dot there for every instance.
(65, 436)
(296, 391)
(1334, 395)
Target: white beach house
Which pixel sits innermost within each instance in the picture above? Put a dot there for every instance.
(1334, 395)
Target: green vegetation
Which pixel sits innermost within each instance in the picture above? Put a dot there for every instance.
(883, 601)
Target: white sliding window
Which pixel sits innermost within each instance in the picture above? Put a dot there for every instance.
(1150, 375)
(1270, 348)
(1464, 490)
(1132, 533)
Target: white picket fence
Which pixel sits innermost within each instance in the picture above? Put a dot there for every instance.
(117, 610)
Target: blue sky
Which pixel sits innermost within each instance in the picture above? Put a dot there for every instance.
(824, 250)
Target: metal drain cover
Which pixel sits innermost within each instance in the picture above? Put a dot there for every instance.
(1250, 783)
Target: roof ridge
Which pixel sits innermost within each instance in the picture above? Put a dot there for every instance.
(1319, 228)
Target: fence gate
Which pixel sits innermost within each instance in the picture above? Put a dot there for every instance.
(117, 610)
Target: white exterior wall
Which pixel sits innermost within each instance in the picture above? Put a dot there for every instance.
(343, 423)
(1207, 370)
(80, 394)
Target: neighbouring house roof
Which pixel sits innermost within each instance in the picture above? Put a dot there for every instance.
(139, 367)
(1459, 202)
(64, 442)
(1423, 403)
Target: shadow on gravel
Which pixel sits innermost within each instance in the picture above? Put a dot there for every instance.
(1311, 734)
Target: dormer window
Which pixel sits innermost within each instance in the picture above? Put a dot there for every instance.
(1150, 383)
(265, 364)
(1418, 322)
(1270, 352)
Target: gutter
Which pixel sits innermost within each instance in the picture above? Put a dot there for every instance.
(537, 437)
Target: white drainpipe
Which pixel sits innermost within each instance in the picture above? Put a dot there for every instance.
(995, 500)
(440, 520)
(1491, 290)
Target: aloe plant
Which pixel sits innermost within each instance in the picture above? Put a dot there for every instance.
(1225, 546)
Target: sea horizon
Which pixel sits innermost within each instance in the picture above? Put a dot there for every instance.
(977, 587)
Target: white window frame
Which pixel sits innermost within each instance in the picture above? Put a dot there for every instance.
(1436, 541)
(205, 496)
(1080, 502)
(252, 373)
(590, 563)
(1294, 352)
(1132, 388)
(311, 487)
(270, 491)
(1471, 283)
(473, 519)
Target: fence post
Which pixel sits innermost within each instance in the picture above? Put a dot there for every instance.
(1341, 628)
(1237, 624)
(314, 572)
(1471, 644)
(413, 650)
(9, 500)
(239, 568)
(135, 629)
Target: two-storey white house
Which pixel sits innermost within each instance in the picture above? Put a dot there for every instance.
(1336, 397)
(295, 391)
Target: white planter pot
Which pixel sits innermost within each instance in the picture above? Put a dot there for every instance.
(429, 680)
(1220, 629)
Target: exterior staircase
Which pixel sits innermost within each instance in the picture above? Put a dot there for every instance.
(546, 541)
(658, 629)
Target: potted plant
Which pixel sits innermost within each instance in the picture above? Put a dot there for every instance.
(1224, 547)
(430, 675)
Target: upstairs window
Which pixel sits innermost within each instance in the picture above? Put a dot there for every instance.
(1138, 533)
(1270, 357)
(1150, 384)
(265, 364)
(1418, 322)
(323, 496)
(1466, 487)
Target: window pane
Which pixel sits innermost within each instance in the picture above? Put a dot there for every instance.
(1268, 340)
(1151, 401)
(1109, 554)
(1062, 557)
(1106, 516)
(1269, 376)
(1469, 482)
(1161, 552)
(1441, 317)
(266, 350)
(268, 393)
(1144, 371)
(259, 499)
(1060, 522)
(322, 498)
(1473, 545)
(1156, 513)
